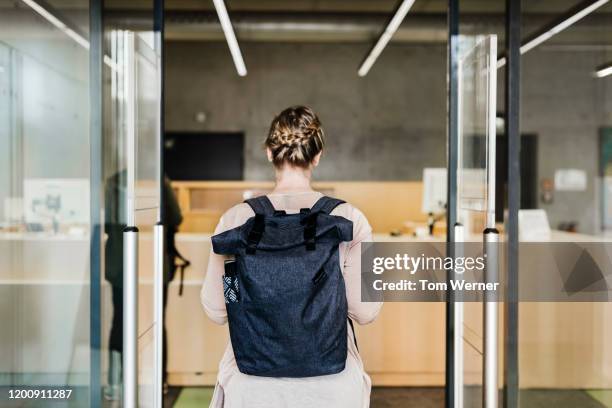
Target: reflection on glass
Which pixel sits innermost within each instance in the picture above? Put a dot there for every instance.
(147, 200)
(44, 199)
(132, 98)
(475, 105)
(475, 190)
(565, 349)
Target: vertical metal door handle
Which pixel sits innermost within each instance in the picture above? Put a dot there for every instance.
(130, 317)
(490, 322)
(158, 288)
(130, 234)
(458, 339)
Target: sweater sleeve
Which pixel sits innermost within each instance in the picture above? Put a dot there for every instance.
(361, 312)
(211, 294)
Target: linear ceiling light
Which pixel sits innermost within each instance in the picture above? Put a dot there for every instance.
(604, 71)
(574, 15)
(385, 37)
(50, 17)
(44, 11)
(230, 37)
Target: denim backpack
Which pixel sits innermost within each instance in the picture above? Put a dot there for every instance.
(284, 290)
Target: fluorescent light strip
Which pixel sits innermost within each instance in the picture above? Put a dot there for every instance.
(562, 25)
(57, 23)
(230, 37)
(604, 71)
(556, 29)
(45, 14)
(385, 37)
(78, 38)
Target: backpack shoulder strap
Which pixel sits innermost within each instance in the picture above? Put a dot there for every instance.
(326, 204)
(261, 205)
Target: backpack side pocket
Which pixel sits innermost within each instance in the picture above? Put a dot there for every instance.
(231, 291)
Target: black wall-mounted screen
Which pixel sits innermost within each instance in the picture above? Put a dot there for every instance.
(529, 170)
(529, 174)
(204, 156)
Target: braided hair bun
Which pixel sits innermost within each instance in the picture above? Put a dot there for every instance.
(295, 137)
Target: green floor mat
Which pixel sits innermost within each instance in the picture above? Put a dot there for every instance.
(191, 397)
(603, 396)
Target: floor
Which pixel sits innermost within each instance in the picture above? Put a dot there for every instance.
(386, 397)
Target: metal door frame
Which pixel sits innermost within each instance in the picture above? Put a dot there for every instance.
(512, 130)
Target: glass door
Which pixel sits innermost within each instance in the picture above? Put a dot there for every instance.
(71, 325)
(134, 245)
(45, 220)
(476, 324)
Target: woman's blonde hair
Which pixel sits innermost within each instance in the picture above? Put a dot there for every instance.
(295, 137)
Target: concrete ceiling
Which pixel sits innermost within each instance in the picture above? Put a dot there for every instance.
(362, 20)
(337, 20)
(349, 6)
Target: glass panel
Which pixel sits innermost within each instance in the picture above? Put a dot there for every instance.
(475, 190)
(476, 135)
(565, 349)
(147, 204)
(481, 188)
(147, 119)
(44, 198)
(133, 188)
(115, 213)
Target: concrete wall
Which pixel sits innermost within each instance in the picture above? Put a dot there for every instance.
(391, 124)
(387, 126)
(566, 107)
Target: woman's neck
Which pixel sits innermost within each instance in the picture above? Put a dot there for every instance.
(292, 180)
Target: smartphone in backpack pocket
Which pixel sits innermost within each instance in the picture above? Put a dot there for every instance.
(230, 282)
